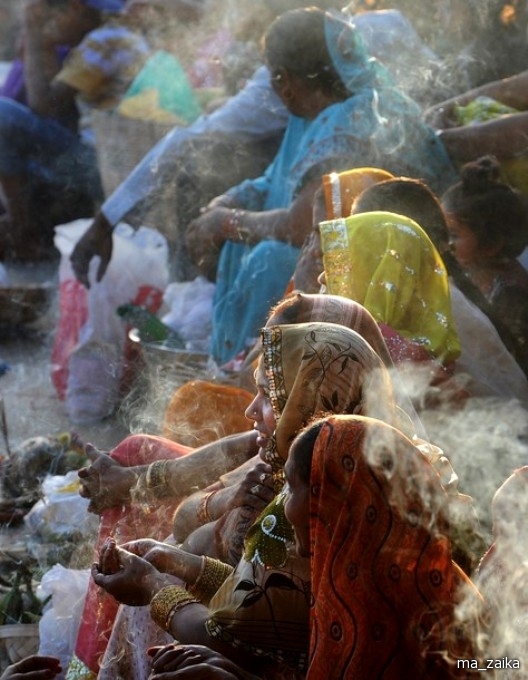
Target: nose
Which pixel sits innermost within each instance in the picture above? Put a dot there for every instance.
(251, 411)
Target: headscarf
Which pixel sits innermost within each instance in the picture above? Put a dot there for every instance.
(342, 188)
(384, 586)
(356, 68)
(313, 369)
(388, 263)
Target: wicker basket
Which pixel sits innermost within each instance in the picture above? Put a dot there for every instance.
(121, 143)
(20, 639)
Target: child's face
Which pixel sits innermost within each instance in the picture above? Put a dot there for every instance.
(462, 242)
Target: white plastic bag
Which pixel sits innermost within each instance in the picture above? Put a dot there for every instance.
(190, 311)
(89, 356)
(62, 512)
(60, 622)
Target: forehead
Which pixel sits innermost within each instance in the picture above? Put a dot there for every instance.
(260, 374)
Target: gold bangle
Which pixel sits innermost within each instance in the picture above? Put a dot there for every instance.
(203, 511)
(156, 477)
(166, 602)
(212, 575)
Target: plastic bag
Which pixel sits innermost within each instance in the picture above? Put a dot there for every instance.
(190, 315)
(62, 512)
(91, 349)
(59, 624)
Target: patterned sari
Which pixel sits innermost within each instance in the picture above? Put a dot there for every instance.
(384, 586)
(312, 369)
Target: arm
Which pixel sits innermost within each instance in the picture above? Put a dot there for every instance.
(254, 113)
(249, 485)
(511, 91)
(106, 483)
(138, 581)
(505, 138)
(206, 235)
(41, 65)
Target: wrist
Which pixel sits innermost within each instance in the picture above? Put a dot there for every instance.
(166, 602)
(212, 575)
(233, 227)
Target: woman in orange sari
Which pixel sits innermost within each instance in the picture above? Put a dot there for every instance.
(371, 512)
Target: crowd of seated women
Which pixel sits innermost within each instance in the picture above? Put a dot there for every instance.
(333, 539)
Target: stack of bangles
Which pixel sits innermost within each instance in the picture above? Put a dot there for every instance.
(156, 479)
(233, 229)
(166, 602)
(172, 599)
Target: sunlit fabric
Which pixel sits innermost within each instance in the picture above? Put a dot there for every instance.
(384, 585)
(342, 188)
(387, 263)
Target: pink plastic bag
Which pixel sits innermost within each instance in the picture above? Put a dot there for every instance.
(91, 351)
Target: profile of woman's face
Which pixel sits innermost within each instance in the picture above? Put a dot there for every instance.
(297, 507)
(260, 410)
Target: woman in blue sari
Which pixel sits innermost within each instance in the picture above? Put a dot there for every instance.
(344, 111)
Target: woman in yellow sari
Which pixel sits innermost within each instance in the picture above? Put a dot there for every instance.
(387, 263)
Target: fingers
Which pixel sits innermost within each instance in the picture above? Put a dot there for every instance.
(101, 270)
(80, 266)
(140, 547)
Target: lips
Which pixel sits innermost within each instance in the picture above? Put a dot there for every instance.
(262, 438)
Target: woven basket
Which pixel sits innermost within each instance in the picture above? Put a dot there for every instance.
(121, 143)
(20, 639)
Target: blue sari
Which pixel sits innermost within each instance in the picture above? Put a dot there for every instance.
(376, 126)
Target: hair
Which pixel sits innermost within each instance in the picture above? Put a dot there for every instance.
(287, 309)
(492, 209)
(414, 199)
(409, 197)
(302, 448)
(295, 42)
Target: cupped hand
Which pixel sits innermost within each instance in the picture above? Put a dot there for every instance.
(192, 661)
(255, 490)
(104, 482)
(204, 238)
(96, 241)
(222, 201)
(135, 582)
(168, 559)
(34, 667)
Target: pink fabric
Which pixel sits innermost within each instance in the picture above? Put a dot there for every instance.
(126, 523)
